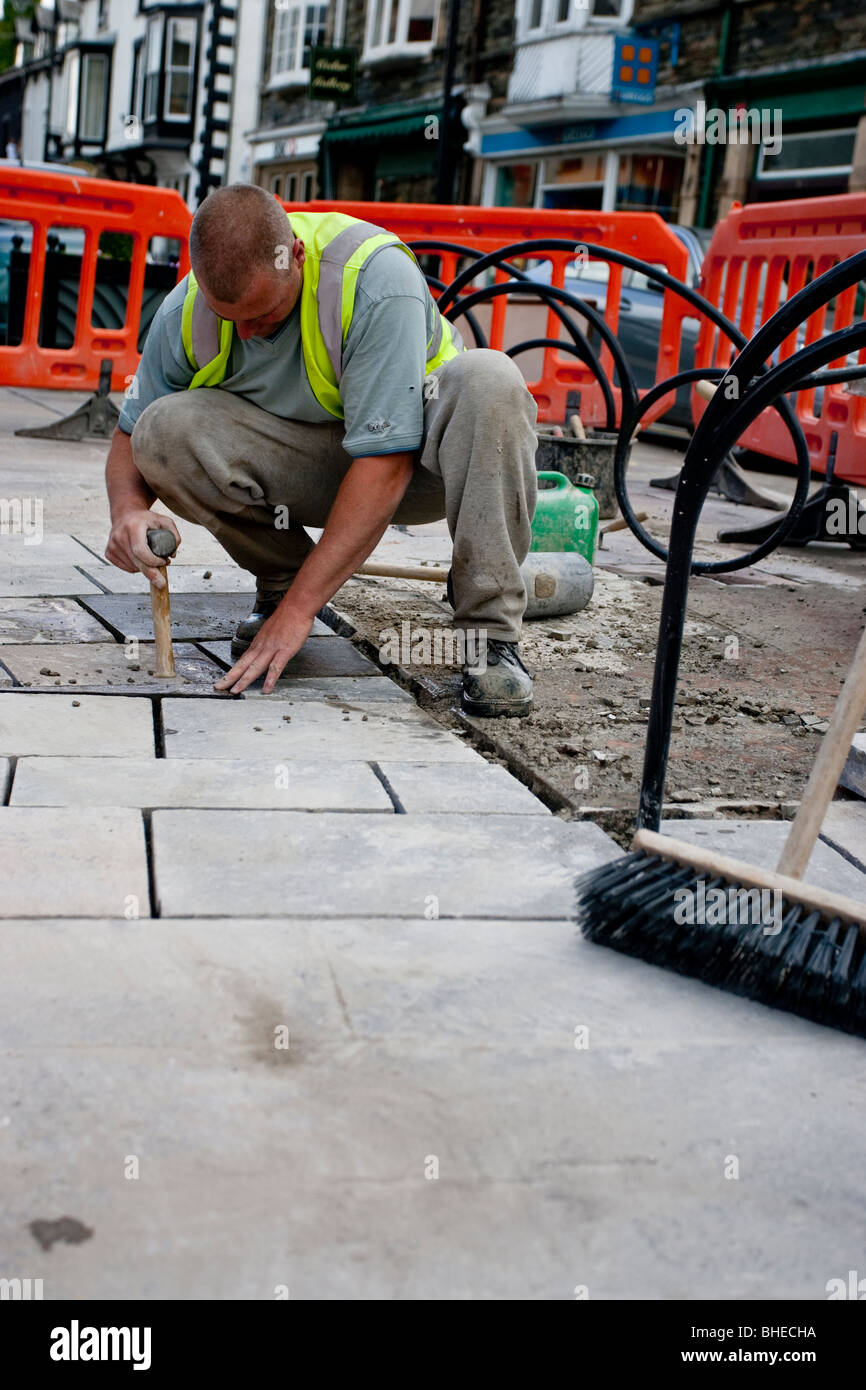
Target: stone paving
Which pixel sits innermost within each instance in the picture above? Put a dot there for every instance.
(308, 959)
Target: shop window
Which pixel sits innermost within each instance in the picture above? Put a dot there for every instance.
(515, 185)
(277, 185)
(307, 186)
(399, 24)
(297, 29)
(291, 188)
(179, 69)
(649, 183)
(575, 181)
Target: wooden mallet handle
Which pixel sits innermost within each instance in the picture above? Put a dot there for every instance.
(163, 543)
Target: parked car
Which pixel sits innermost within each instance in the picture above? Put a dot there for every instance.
(640, 314)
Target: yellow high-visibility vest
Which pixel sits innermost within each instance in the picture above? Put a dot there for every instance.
(337, 248)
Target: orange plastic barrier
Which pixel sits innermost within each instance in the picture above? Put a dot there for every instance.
(509, 320)
(761, 255)
(88, 208)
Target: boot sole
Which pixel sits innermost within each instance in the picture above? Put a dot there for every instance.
(485, 709)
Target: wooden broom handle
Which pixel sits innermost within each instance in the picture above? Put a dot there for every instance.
(824, 777)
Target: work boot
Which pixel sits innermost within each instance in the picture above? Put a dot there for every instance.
(497, 682)
(266, 602)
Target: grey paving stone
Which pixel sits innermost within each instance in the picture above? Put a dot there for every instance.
(319, 656)
(761, 841)
(844, 828)
(49, 581)
(854, 772)
(194, 617)
(336, 690)
(107, 664)
(211, 863)
(98, 726)
(184, 579)
(28, 552)
(48, 620)
(197, 782)
(483, 788)
(282, 728)
(85, 862)
(310, 1166)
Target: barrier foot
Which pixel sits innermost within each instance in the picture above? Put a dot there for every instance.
(97, 417)
(832, 514)
(732, 483)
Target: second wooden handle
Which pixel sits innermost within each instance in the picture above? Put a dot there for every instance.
(824, 777)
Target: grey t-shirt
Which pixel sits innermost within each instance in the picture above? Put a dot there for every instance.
(382, 386)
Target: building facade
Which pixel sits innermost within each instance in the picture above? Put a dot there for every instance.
(139, 90)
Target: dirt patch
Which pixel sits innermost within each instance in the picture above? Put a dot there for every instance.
(761, 666)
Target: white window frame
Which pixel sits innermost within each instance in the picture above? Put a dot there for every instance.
(806, 171)
(73, 83)
(626, 10)
(154, 26)
(86, 60)
(401, 44)
(282, 76)
(167, 115)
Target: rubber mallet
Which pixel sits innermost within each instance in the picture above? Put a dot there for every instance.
(163, 543)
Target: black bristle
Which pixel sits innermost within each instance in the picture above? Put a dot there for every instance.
(802, 963)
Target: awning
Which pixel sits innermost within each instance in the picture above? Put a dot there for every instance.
(393, 122)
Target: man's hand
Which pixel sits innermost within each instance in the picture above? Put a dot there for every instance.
(275, 643)
(127, 545)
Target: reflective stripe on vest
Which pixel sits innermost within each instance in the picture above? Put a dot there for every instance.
(337, 247)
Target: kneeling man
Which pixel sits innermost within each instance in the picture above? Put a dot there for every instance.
(301, 375)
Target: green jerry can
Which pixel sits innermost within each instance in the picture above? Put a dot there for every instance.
(566, 515)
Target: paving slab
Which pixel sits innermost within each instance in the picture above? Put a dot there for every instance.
(482, 788)
(265, 863)
(109, 664)
(844, 828)
(184, 579)
(197, 782)
(85, 862)
(761, 842)
(32, 552)
(281, 728)
(75, 726)
(194, 617)
(48, 581)
(311, 1166)
(854, 772)
(335, 690)
(319, 656)
(48, 620)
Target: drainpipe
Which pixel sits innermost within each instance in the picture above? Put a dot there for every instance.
(723, 66)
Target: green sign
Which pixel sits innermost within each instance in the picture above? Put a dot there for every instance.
(332, 74)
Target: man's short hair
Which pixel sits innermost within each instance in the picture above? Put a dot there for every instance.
(236, 232)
